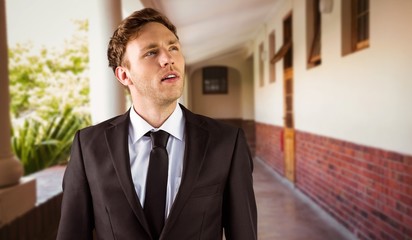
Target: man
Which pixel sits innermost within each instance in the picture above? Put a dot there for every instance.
(108, 185)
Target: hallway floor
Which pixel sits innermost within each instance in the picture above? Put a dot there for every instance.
(282, 214)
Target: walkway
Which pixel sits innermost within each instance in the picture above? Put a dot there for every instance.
(282, 214)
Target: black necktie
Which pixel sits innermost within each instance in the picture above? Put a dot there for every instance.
(156, 183)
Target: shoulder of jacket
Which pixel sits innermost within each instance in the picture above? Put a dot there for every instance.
(102, 125)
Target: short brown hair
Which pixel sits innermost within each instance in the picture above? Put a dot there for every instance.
(129, 28)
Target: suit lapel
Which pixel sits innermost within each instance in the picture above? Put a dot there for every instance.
(196, 144)
(117, 141)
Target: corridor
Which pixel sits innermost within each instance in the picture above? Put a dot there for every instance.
(283, 214)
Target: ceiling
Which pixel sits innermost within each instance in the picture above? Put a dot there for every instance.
(212, 28)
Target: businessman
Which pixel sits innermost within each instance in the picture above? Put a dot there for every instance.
(158, 171)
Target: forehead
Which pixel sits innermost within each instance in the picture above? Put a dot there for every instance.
(153, 32)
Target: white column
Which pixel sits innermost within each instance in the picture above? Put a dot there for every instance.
(10, 168)
(107, 95)
(17, 195)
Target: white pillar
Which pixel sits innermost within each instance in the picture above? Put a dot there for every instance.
(107, 96)
(17, 195)
(10, 168)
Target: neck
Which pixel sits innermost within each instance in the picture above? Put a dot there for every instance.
(154, 114)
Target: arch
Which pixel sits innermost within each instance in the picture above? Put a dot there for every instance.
(220, 106)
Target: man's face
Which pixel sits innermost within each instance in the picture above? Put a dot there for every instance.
(155, 65)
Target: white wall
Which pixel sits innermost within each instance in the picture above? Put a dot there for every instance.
(363, 97)
(269, 97)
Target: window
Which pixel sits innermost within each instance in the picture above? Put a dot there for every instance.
(313, 33)
(360, 22)
(355, 25)
(286, 51)
(215, 80)
(272, 46)
(261, 62)
(281, 52)
(287, 38)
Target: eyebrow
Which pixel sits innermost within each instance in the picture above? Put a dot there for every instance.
(174, 41)
(155, 45)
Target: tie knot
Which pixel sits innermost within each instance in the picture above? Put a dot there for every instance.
(159, 138)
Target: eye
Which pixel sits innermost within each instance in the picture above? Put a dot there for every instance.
(150, 53)
(174, 48)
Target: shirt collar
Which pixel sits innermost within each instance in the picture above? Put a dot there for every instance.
(174, 125)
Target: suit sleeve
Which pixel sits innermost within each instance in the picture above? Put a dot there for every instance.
(76, 221)
(240, 213)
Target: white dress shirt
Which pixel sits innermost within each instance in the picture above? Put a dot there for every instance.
(140, 147)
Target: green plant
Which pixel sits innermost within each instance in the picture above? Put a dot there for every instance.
(41, 144)
(49, 91)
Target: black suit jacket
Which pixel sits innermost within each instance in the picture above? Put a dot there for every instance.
(216, 191)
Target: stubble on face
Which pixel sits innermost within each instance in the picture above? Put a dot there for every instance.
(159, 93)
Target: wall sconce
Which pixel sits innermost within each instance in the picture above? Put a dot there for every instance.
(325, 6)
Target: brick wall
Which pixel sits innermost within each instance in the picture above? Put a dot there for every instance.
(268, 146)
(367, 190)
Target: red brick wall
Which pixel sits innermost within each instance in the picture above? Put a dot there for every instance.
(268, 146)
(366, 189)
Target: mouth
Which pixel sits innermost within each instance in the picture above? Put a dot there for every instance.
(170, 76)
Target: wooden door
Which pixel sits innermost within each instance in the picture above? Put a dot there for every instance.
(289, 130)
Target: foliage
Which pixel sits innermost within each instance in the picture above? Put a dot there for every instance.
(41, 144)
(49, 76)
(49, 99)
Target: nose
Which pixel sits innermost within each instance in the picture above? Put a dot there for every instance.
(166, 59)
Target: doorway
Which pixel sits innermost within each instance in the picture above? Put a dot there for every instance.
(289, 130)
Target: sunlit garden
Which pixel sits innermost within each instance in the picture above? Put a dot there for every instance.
(49, 99)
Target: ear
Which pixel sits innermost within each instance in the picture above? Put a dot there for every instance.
(122, 75)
